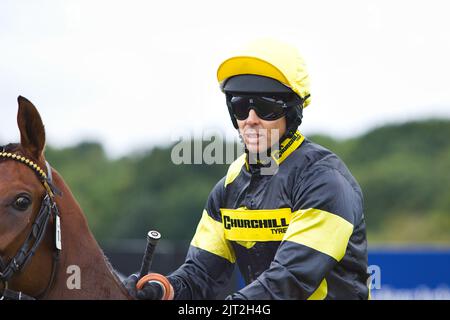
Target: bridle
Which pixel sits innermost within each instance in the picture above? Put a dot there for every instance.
(38, 229)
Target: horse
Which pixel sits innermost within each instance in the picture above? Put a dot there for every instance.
(47, 250)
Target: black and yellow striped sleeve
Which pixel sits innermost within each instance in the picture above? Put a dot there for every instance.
(210, 260)
(324, 208)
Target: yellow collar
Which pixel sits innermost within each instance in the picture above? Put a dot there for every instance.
(288, 146)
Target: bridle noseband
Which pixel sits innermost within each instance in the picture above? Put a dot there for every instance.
(37, 233)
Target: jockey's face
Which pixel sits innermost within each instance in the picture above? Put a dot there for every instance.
(259, 134)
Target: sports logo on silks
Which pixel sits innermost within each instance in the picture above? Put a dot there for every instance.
(255, 225)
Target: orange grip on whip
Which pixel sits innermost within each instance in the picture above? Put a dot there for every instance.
(168, 289)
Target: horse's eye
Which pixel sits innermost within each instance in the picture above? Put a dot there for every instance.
(22, 203)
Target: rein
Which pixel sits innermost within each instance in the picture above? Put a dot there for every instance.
(38, 230)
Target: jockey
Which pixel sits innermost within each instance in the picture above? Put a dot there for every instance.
(288, 213)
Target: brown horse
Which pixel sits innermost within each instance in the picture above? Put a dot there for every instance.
(40, 257)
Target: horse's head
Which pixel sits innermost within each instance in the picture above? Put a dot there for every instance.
(25, 189)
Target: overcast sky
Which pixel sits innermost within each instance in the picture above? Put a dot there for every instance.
(133, 74)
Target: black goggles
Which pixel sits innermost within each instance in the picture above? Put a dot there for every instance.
(267, 108)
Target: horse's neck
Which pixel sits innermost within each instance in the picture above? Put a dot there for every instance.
(83, 272)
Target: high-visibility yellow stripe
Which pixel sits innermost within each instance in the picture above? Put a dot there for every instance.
(210, 237)
(321, 292)
(255, 225)
(235, 168)
(320, 230)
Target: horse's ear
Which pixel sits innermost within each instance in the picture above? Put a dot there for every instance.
(32, 133)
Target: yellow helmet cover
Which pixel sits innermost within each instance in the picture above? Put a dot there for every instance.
(270, 58)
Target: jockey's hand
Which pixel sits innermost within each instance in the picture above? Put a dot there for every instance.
(150, 291)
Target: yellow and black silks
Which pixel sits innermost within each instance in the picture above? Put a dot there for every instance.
(297, 234)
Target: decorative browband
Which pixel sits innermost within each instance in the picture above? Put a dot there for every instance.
(41, 173)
